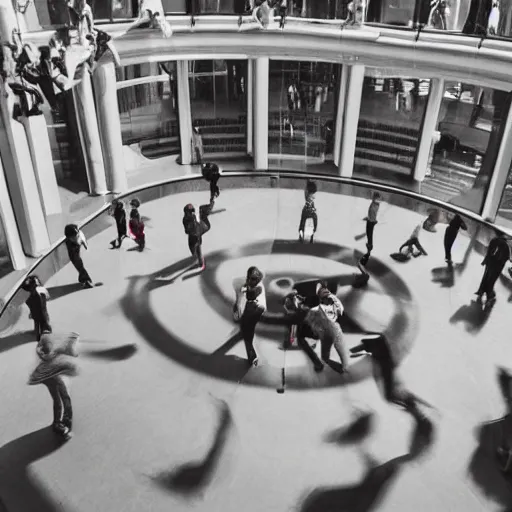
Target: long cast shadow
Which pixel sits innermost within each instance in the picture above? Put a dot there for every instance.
(193, 477)
(354, 432)
(56, 292)
(120, 353)
(473, 315)
(16, 457)
(16, 340)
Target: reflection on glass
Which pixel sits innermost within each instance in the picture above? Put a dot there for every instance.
(302, 112)
(388, 132)
(504, 217)
(218, 104)
(465, 144)
(5, 258)
(149, 111)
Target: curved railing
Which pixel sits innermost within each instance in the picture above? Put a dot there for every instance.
(56, 257)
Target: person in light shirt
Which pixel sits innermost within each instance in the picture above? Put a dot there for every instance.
(414, 242)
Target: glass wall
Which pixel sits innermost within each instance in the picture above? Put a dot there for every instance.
(5, 258)
(149, 110)
(465, 144)
(303, 100)
(218, 104)
(504, 217)
(388, 133)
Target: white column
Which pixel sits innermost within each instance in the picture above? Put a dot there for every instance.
(499, 176)
(338, 130)
(8, 220)
(83, 98)
(184, 112)
(351, 119)
(7, 20)
(42, 160)
(249, 87)
(435, 98)
(105, 92)
(260, 113)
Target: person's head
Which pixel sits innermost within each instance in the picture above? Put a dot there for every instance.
(71, 231)
(134, 203)
(324, 295)
(376, 196)
(254, 276)
(196, 130)
(31, 283)
(253, 293)
(189, 210)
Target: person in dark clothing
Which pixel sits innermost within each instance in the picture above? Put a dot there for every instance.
(309, 210)
(36, 303)
(371, 220)
(75, 239)
(211, 173)
(498, 253)
(478, 18)
(119, 214)
(137, 229)
(451, 234)
(195, 230)
(384, 367)
(252, 314)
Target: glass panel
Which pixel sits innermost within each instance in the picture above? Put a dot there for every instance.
(504, 217)
(388, 132)
(465, 144)
(218, 104)
(5, 258)
(303, 99)
(149, 114)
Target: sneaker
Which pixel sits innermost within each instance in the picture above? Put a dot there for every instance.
(62, 430)
(450, 262)
(87, 285)
(113, 244)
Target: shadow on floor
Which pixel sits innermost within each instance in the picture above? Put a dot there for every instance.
(193, 477)
(17, 339)
(473, 315)
(56, 292)
(16, 457)
(120, 353)
(358, 430)
(445, 276)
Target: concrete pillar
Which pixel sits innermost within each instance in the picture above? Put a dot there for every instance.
(499, 176)
(260, 112)
(83, 98)
(105, 92)
(8, 20)
(338, 129)
(435, 98)
(8, 220)
(42, 160)
(249, 87)
(351, 118)
(184, 112)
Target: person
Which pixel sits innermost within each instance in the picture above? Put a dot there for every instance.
(75, 239)
(55, 364)
(309, 210)
(253, 311)
(37, 304)
(498, 253)
(262, 14)
(211, 173)
(283, 9)
(378, 346)
(195, 230)
(137, 229)
(371, 220)
(412, 242)
(197, 146)
(450, 235)
(356, 13)
(118, 212)
(296, 310)
(323, 320)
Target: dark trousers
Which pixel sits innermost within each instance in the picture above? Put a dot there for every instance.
(308, 214)
(41, 325)
(62, 409)
(413, 242)
(304, 345)
(370, 226)
(195, 242)
(83, 276)
(214, 190)
(248, 327)
(491, 274)
(449, 238)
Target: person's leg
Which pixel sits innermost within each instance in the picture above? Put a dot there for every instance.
(314, 216)
(248, 328)
(63, 391)
(304, 345)
(37, 329)
(341, 349)
(483, 283)
(325, 351)
(407, 244)
(493, 275)
(369, 234)
(58, 409)
(83, 275)
(302, 224)
(416, 243)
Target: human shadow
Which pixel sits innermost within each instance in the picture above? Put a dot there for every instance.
(16, 340)
(57, 292)
(16, 457)
(475, 315)
(194, 477)
(376, 482)
(400, 257)
(445, 276)
(120, 353)
(355, 432)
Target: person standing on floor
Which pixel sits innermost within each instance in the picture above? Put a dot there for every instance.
(323, 321)
(211, 174)
(498, 253)
(137, 229)
(309, 210)
(37, 304)
(450, 235)
(253, 311)
(195, 230)
(55, 365)
(371, 220)
(75, 239)
(412, 242)
(119, 214)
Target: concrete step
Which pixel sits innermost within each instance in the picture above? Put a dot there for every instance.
(383, 156)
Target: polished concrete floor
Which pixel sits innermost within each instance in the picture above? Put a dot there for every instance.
(180, 423)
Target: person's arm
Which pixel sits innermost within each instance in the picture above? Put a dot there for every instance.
(82, 240)
(338, 305)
